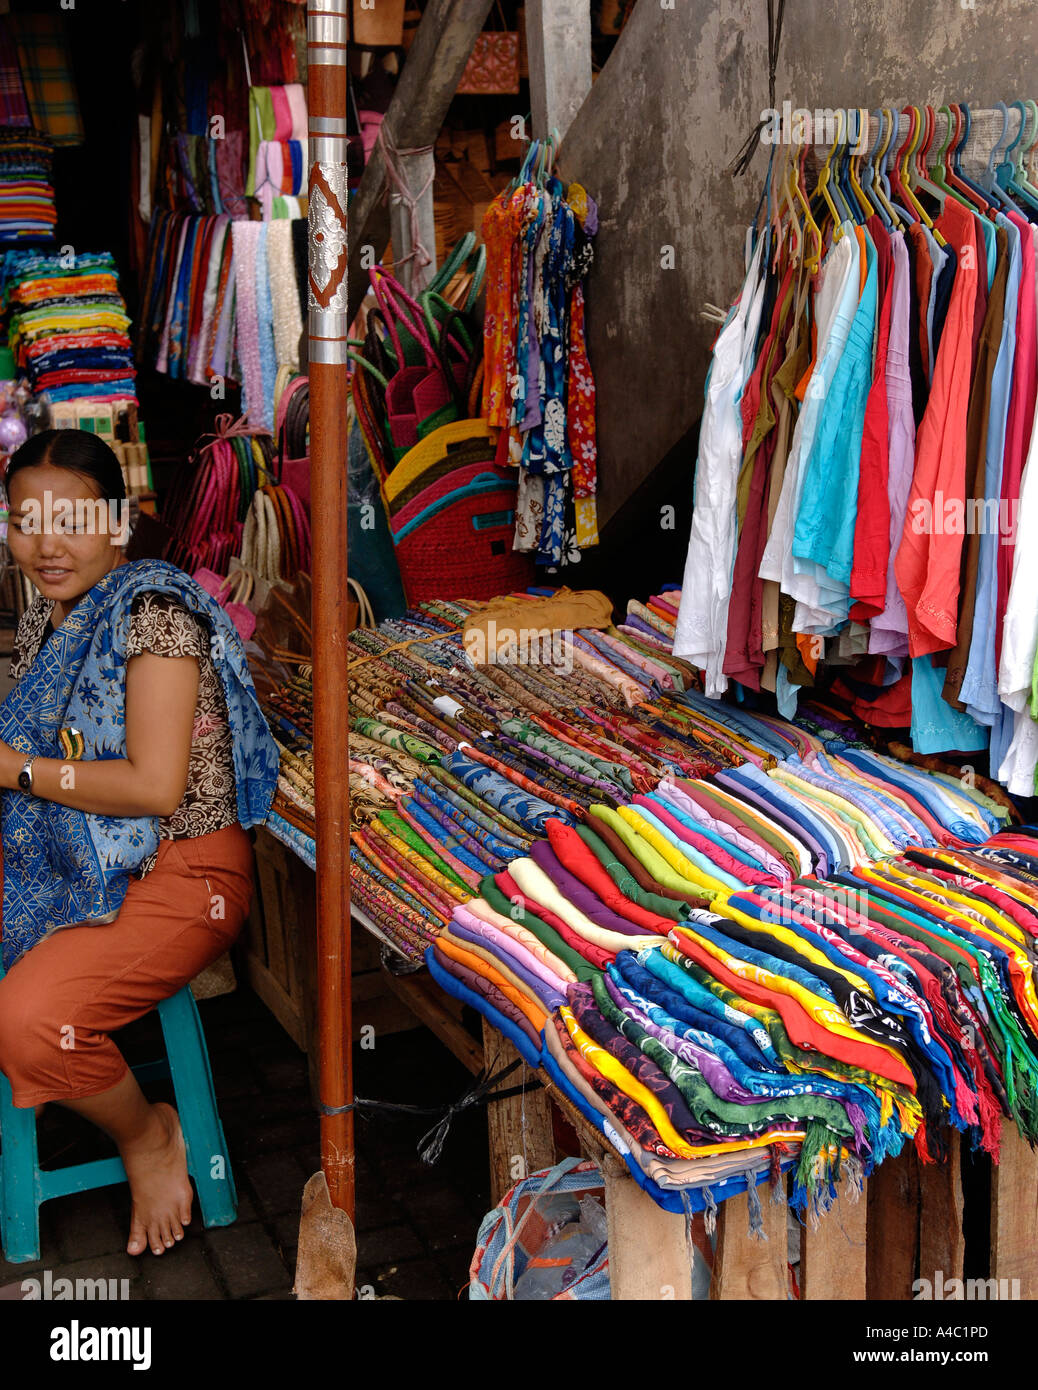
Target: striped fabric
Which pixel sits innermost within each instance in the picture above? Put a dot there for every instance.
(14, 108)
(46, 71)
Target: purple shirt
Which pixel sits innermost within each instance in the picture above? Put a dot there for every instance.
(889, 629)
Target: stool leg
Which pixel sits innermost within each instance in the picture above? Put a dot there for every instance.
(19, 1189)
(207, 1159)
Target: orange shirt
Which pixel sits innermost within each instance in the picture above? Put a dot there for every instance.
(928, 559)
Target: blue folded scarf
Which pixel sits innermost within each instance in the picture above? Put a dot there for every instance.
(63, 866)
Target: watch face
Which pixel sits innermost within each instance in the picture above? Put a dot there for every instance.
(25, 781)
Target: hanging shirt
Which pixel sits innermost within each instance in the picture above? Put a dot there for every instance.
(872, 524)
(979, 692)
(977, 421)
(927, 565)
(824, 530)
(889, 629)
(703, 612)
(835, 302)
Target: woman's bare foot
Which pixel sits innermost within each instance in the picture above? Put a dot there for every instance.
(157, 1169)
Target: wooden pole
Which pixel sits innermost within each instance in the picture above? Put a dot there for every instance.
(443, 43)
(558, 41)
(832, 1256)
(328, 329)
(417, 172)
(1014, 1216)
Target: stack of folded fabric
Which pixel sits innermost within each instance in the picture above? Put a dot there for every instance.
(817, 1021)
(68, 325)
(739, 945)
(27, 212)
(289, 713)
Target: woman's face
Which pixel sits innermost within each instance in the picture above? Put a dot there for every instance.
(62, 535)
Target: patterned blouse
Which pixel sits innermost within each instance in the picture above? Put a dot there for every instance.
(161, 625)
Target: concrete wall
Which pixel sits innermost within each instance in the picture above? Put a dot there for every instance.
(679, 94)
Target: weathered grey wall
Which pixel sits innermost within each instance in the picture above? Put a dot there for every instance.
(679, 94)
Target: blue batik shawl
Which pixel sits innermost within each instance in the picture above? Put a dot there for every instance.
(63, 866)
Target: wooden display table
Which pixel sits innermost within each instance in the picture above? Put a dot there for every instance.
(906, 1226)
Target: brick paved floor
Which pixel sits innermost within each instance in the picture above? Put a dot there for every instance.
(416, 1226)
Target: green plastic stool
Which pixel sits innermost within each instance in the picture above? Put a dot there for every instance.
(24, 1185)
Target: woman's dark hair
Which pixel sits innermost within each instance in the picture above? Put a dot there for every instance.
(76, 450)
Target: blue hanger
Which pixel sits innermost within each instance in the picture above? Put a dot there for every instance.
(989, 178)
(868, 174)
(844, 175)
(1020, 193)
(905, 215)
(956, 155)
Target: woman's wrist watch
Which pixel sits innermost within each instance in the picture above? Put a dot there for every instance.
(25, 776)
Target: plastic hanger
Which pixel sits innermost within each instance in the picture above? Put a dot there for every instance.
(896, 213)
(826, 188)
(956, 176)
(844, 173)
(841, 184)
(870, 182)
(523, 176)
(988, 178)
(892, 183)
(868, 209)
(903, 166)
(812, 255)
(922, 181)
(782, 212)
(1005, 169)
(942, 172)
(1023, 163)
(1012, 184)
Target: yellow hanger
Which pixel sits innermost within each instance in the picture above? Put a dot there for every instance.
(786, 225)
(908, 179)
(877, 182)
(823, 187)
(812, 258)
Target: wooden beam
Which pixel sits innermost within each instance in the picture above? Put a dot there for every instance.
(442, 45)
(648, 1253)
(1014, 1214)
(832, 1258)
(414, 271)
(745, 1267)
(519, 1129)
(558, 40)
(942, 1245)
(893, 1227)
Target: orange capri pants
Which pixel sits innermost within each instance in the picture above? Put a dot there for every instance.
(60, 1001)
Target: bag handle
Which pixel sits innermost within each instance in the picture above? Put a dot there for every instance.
(479, 271)
(460, 253)
(363, 362)
(375, 346)
(550, 1179)
(298, 401)
(366, 614)
(390, 296)
(451, 311)
(457, 393)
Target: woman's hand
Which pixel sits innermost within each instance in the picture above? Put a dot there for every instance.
(161, 695)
